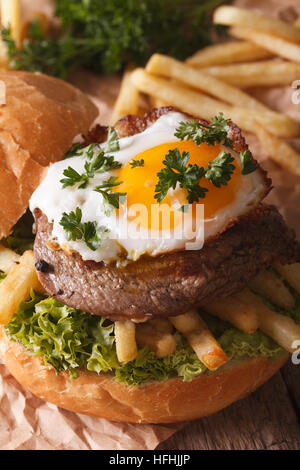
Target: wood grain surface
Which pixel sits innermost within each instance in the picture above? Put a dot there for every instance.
(268, 419)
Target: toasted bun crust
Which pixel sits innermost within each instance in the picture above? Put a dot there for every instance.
(38, 123)
(157, 402)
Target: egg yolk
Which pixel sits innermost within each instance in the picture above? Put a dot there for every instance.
(139, 182)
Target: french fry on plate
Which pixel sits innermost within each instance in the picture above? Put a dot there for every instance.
(276, 45)
(161, 343)
(291, 273)
(264, 73)
(233, 310)
(203, 106)
(227, 53)
(272, 288)
(279, 150)
(281, 328)
(128, 99)
(11, 17)
(16, 287)
(172, 68)
(125, 340)
(8, 259)
(200, 339)
(234, 16)
(162, 324)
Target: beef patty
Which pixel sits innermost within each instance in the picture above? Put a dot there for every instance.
(172, 283)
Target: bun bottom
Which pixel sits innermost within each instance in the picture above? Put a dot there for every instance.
(157, 402)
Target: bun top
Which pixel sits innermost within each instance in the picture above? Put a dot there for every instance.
(38, 124)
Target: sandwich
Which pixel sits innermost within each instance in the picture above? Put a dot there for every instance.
(146, 297)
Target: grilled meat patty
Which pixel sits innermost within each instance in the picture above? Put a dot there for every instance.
(169, 284)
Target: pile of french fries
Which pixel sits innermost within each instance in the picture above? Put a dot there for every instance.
(265, 52)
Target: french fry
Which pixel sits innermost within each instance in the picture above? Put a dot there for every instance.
(227, 53)
(171, 68)
(8, 259)
(200, 105)
(16, 287)
(125, 340)
(233, 310)
(276, 45)
(297, 23)
(270, 286)
(280, 151)
(291, 273)
(128, 99)
(279, 327)
(11, 17)
(162, 324)
(264, 73)
(234, 16)
(161, 343)
(200, 339)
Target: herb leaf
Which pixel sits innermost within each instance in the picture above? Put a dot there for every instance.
(220, 169)
(137, 163)
(214, 133)
(111, 198)
(177, 171)
(97, 162)
(112, 144)
(92, 235)
(248, 166)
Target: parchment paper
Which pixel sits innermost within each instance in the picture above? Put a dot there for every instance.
(28, 423)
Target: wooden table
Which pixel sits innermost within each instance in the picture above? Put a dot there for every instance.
(268, 419)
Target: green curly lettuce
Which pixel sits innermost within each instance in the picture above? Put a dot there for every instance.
(68, 339)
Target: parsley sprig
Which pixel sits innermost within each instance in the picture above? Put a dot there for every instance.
(90, 232)
(111, 198)
(97, 162)
(214, 133)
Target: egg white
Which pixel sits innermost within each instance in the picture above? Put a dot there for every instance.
(53, 200)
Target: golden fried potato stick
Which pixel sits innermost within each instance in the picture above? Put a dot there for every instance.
(267, 284)
(161, 343)
(128, 99)
(281, 328)
(200, 339)
(233, 310)
(279, 150)
(8, 259)
(201, 105)
(276, 45)
(264, 73)
(227, 53)
(125, 340)
(291, 273)
(16, 287)
(234, 16)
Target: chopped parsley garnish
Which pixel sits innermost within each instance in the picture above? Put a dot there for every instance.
(248, 166)
(112, 143)
(97, 162)
(219, 171)
(111, 198)
(92, 235)
(137, 163)
(214, 133)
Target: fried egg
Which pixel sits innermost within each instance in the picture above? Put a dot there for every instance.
(141, 225)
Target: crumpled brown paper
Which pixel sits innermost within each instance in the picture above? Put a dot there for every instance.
(28, 423)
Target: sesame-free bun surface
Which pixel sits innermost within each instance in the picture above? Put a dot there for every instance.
(38, 123)
(155, 402)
